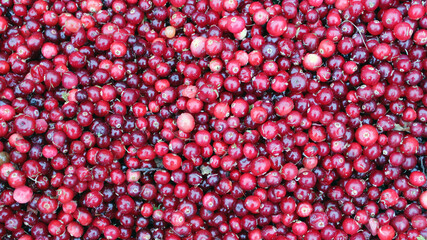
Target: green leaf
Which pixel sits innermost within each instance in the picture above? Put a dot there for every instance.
(65, 96)
(157, 207)
(420, 238)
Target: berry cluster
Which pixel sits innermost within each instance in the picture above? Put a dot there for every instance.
(213, 119)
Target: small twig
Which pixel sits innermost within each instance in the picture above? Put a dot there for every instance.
(146, 170)
(422, 166)
(358, 30)
(398, 127)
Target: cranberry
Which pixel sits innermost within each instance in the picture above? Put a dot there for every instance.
(253, 120)
(389, 197)
(367, 135)
(276, 26)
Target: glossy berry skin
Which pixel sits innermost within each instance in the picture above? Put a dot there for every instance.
(23, 194)
(417, 178)
(213, 119)
(185, 122)
(423, 199)
(172, 161)
(276, 26)
(389, 197)
(366, 135)
(312, 62)
(386, 232)
(236, 24)
(47, 205)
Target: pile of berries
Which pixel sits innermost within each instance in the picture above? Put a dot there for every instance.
(213, 119)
